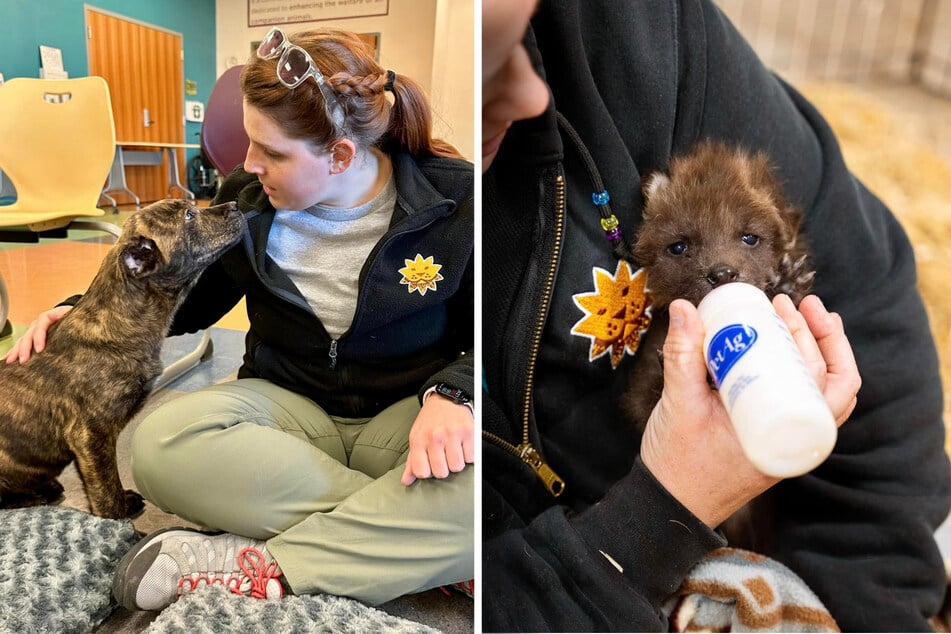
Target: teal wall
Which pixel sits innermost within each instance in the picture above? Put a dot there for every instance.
(25, 24)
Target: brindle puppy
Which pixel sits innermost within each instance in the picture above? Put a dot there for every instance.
(719, 216)
(72, 400)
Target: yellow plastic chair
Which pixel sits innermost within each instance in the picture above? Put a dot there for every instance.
(57, 143)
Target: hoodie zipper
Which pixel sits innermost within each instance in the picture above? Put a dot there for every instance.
(368, 264)
(370, 261)
(525, 451)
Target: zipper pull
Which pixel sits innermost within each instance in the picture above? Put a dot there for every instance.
(333, 354)
(546, 474)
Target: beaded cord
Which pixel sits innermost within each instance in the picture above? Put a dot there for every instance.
(609, 222)
(600, 196)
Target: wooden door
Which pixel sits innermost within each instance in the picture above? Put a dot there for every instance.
(143, 67)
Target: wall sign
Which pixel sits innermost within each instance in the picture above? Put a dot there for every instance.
(266, 12)
(194, 111)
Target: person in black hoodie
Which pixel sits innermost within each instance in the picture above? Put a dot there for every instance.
(340, 459)
(586, 527)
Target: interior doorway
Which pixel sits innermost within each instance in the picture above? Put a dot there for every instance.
(143, 65)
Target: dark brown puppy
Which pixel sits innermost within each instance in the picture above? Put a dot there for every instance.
(72, 400)
(719, 216)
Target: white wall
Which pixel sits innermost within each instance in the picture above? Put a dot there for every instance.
(409, 44)
(937, 57)
(844, 40)
(453, 91)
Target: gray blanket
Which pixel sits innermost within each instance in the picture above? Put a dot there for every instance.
(213, 609)
(56, 568)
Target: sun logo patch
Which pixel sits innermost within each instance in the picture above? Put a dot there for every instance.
(616, 314)
(420, 274)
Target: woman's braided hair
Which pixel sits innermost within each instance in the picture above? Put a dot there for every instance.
(360, 86)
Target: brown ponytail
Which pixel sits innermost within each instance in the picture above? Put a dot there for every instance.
(412, 119)
(359, 83)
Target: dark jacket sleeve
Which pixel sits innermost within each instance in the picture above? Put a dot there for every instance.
(209, 300)
(460, 337)
(459, 373)
(859, 529)
(608, 568)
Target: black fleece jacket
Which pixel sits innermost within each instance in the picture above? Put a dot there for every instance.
(400, 342)
(641, 81)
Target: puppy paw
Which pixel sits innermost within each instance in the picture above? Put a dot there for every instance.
(21, 500)
(793, 278)
(51, 491)
(133, 503)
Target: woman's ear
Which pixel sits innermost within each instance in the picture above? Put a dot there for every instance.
(341, 155)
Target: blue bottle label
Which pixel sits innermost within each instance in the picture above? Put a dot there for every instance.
(727, 347)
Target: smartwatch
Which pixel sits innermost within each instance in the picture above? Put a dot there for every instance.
(454, 394)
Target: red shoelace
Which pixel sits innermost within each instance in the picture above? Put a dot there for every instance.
(251, 562)
(465, 587)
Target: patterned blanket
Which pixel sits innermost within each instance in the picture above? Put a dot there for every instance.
(735, 590)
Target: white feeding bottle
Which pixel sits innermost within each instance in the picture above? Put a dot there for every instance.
(781, 419)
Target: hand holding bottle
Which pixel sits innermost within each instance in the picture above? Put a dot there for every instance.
(690, 444)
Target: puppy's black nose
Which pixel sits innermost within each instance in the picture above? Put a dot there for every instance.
(721, 274)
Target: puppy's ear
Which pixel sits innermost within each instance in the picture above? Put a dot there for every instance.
(653, 184)
(140, 256)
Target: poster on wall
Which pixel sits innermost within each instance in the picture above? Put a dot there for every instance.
(267, 12)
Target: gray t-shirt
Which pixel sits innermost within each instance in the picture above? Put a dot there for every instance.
(323, 249)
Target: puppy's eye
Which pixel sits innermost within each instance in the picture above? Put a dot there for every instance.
(677, 248)
(750, 239)
(190, 215)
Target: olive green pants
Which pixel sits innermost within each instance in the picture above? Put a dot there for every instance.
(253, 459)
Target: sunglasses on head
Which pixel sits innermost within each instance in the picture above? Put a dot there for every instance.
(295, 66)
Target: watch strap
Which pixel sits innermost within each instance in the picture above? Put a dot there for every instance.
(433, 390)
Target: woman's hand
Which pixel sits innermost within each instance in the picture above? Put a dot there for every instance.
(689, 444)
(441, 440)
(35, 336)
(821, 338)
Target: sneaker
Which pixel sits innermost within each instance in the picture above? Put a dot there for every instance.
(173, 561)
(463, 587)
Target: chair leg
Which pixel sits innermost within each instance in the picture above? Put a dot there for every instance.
(174, 370)
(116, 181)
(96, 225)
(112, 202)
(6, 328)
